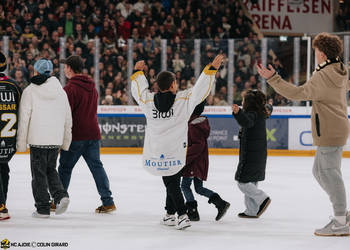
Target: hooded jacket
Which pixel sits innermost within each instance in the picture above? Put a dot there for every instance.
(83, 100)
(252, 147)
(327, 89)
(197, 160)
(167, 115)
(44, 115)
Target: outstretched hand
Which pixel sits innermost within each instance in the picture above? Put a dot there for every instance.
(140, 65)
(217, 61)
(264, 72)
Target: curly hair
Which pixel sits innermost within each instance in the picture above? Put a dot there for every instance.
(255, 100)
(329, 44)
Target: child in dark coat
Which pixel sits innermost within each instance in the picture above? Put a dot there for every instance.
(253, 151)
(196, 168)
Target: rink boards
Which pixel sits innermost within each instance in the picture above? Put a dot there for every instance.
(288, 130)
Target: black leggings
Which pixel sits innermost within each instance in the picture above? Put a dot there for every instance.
(4, 181)
(174, 198)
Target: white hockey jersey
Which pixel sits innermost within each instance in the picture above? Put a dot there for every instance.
(165, 145)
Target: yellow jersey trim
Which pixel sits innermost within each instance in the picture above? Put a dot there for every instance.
(209, 71)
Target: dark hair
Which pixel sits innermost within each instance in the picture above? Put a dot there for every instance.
(255, 100)
(329, 44)
(165, 79)
(75, 63)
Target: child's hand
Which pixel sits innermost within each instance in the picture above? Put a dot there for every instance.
(139, 65)
(217, 61)
(235, 108)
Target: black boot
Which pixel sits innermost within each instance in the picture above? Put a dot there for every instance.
(220, 204)
(192, 211)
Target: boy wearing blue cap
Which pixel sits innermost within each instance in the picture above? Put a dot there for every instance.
(46, 125)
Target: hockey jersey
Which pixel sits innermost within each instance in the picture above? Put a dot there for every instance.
(10, 94)
(165, 145)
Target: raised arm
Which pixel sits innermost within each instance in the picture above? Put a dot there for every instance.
(205, 82)
(244, 119)
(139, 85)
(308, 91)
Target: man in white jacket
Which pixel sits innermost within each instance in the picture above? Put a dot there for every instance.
(45, 123)
(167, 114)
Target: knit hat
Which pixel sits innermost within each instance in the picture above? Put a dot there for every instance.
(3, 62)
(43, 67)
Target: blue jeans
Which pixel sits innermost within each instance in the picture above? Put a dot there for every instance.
(90, 150)
(198, 187)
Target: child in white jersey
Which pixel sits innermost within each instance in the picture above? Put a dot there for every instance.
(167, 114)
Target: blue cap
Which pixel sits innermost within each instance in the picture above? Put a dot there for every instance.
(43, 67)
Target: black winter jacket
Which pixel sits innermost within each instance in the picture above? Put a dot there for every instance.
(253, 147)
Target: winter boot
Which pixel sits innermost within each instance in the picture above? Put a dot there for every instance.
(220, 204)
(4, 213)
(192, 211)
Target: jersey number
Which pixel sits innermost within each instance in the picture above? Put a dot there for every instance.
(11, 119)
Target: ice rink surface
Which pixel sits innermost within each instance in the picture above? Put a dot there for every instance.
(298, 207)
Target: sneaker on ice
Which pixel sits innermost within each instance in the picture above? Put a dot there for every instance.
(4, 213)
(168, 220)
(105, 209)
(37, 215)
(333, 228)
(183, 222)
(62, 206)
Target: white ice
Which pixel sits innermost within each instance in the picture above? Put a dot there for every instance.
(298, 207)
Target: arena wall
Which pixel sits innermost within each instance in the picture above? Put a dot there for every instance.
(288, 130)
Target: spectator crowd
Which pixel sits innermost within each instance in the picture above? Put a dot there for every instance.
(36, 26)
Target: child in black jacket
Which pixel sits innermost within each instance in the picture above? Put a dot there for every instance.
(253, 151)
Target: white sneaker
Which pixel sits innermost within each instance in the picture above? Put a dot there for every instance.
(183, 222)
(37, 215)
(168, 220)
(62, 206)
(333, 228)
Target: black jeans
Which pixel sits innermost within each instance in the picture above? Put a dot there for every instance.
(45, 177)
(174, 198)
(4, 181)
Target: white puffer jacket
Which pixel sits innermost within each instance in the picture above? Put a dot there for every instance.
(45, 116)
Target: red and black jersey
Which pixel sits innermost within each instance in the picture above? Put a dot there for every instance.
(10, 95)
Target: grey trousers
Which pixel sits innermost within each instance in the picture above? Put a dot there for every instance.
(327, 171)
(253, 197)
(45, 177)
